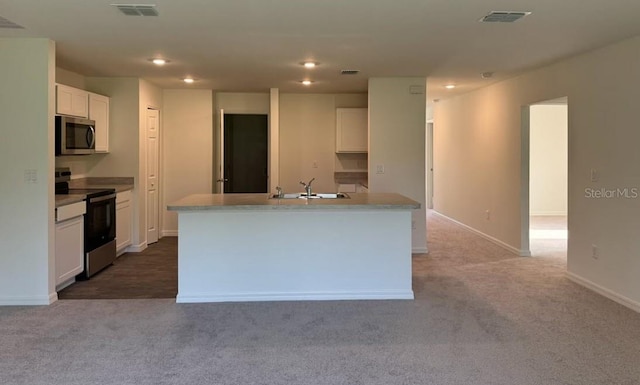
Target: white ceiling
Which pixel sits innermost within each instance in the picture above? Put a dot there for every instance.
(253, 45)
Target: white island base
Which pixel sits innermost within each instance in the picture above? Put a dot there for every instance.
(284, 255)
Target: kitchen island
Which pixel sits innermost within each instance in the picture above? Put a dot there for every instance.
(250, 247)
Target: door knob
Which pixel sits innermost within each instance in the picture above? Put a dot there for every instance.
(222, 180)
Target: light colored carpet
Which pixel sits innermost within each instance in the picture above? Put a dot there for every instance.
(481, 316)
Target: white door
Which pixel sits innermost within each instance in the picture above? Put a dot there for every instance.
(152, 176)
(220, 178)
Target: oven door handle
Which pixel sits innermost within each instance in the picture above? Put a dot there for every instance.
(102, 198)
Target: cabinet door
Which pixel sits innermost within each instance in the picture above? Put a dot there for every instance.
(123, 221)
(72, 101)
(99, 112)
(69, 249)
(352, 130)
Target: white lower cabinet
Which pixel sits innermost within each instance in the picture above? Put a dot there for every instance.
(124, 211)
(69, 240)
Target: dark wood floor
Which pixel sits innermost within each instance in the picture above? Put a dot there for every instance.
(152, 273)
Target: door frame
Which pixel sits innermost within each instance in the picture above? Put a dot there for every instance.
(221, 148)
(272, 135)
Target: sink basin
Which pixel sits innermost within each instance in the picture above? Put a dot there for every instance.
(313, 196)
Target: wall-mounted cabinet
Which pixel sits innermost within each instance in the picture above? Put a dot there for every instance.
(76, 102)
(99, 112)
(72, 101)
(352, 131)
(124, 212)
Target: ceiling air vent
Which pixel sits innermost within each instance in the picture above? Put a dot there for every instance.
(4, 23)
(349, 72)
(503, 16)
(137, 9)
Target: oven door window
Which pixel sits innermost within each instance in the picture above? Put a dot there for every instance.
(100, 223)
(79, 136)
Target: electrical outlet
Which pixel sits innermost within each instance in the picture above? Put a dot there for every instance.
(315, 164)
(594, 252)
(594, 175)
(487, 214)
(413, 225)
(380, 169)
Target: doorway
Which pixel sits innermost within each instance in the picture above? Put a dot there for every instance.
(547, 178)
(245, 153)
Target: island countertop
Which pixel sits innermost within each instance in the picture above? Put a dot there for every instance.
(356, 201)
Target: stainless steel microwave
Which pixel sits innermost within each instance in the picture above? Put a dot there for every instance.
(75, 136)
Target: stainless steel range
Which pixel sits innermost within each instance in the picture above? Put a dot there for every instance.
(99, 224)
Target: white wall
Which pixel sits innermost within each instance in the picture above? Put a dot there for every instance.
(27, 256)
(548, 166)
(308, 136)
(122, 159)
(397, 122)
(70, 78)
(478, 160)
(188, 145)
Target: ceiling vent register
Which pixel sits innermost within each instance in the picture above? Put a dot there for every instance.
(4, 23)
(503, 16)
(137, 9)
(349, 72)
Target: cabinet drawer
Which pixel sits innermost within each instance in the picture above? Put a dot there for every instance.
(124, 196)
(69, 211)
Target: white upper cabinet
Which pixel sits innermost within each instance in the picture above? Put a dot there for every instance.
(72, 101)
(99, 112)
(76, 102)
(352, 132)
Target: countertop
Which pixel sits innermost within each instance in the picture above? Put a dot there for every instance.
(67, 199)
(120, 184)
(357, 201)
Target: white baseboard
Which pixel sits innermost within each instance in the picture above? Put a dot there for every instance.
(622, 300)
(419, 250)
(548, 213)
(486, 236)
(169, 233)
(66, 283)
(29, 300)
(137, 248)
(309, 296)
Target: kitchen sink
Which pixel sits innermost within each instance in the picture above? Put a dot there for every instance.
(313, 196)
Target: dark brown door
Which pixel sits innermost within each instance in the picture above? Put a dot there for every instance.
(245, 153)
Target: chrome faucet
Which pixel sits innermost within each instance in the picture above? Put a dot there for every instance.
(280, 192)
(307, 186)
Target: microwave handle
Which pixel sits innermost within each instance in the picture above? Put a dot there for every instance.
(91, 138)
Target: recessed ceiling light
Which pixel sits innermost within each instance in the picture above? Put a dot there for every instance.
(188, 80)
(306, 82)
(450, 86)
(309, 64)
(159, 61)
